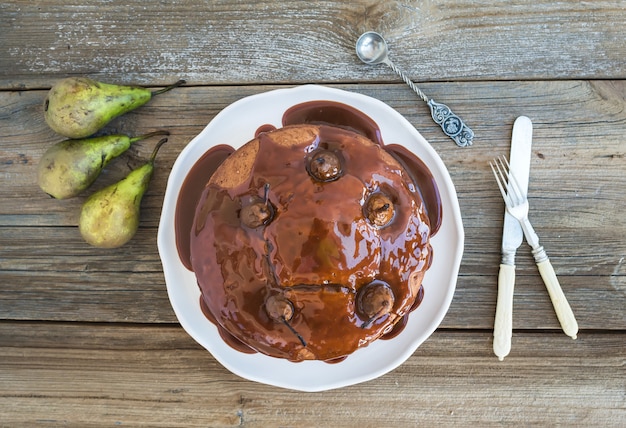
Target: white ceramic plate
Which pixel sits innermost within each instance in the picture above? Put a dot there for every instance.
(235, 125)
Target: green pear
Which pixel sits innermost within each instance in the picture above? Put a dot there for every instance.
(110, 217)
(69, 167)
(77, 107)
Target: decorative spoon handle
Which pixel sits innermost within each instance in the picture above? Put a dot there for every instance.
(406, 79)
(450, 123)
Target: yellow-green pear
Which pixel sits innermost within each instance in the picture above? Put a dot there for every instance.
(77, 107)
(69, 167)
(110, 217)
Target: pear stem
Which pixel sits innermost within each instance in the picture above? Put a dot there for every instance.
(156, 149)
(266, 196)
(293, 330)
(151, 134)
(175, 85)
(373, 318)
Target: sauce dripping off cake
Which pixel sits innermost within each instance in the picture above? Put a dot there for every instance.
(311, 263)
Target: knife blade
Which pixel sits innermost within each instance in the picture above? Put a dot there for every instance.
(512, 237)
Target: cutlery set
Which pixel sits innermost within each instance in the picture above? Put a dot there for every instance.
(512, 180)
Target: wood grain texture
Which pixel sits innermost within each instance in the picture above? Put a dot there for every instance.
(72, 282)
(93, 375)
(578, 171)
(592, 136)
(88, 337)
(296, 41)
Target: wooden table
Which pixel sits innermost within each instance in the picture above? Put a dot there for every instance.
(88, 336)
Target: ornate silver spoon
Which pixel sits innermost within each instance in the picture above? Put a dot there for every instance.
(371, 48)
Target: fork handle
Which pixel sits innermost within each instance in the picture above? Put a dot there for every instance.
(561, 306)
(503, 325)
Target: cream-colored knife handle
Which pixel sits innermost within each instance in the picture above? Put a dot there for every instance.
(503, 325)
(561, 306)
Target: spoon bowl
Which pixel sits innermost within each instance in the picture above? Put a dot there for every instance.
(371, 48)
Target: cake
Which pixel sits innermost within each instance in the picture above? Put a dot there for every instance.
(309, 242)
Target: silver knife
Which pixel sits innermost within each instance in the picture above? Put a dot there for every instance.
(512, 236)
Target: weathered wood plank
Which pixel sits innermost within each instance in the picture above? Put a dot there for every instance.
(577, 165)
(578, 145)
(29, 249)
(88, 375)
(141, 298)
(282, 42)
(88, 336)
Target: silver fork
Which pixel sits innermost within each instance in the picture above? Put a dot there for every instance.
(517, 206)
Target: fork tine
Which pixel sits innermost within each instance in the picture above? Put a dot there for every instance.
(506, 180)
(513, 186)
(497, 172)
(510, 187)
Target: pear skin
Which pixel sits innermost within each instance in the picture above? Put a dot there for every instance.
(69, 167)
(110, 217)
(77, 107)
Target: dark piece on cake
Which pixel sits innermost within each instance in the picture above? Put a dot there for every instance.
(309, 242)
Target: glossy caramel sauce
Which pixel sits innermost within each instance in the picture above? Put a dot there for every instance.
(344, 116)
(319, 250)
(335, 114)
(189, 195)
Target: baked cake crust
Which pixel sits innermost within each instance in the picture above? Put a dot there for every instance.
(309, 242)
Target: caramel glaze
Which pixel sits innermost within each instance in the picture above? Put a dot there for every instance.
(318, 250)
(189, 196)
(344, 116)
